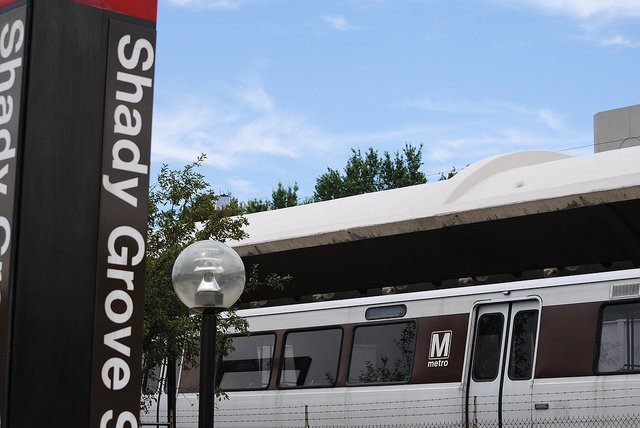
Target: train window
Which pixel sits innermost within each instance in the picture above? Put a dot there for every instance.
(311, 358)
(382, 312)
(619, 348)
(249, 365)
(382, 353)
(523, 343)
(486, 358)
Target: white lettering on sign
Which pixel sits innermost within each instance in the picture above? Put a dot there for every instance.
(11, 42)
(133, 61)
(121, 256)
(6, 227)
(118, 305)
(125, 171)
(16, 37)
(9, 67)
(127, 119)
(440, 348)
(123, 418)
(4, 244)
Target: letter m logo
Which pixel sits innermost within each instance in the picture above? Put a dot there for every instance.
(440, 344)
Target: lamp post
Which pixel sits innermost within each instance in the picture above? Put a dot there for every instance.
(208, 276)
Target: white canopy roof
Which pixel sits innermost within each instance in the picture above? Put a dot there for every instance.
(500, 187)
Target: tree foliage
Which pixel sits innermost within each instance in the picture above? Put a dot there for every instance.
(281, 197)
(256, 205)
(370, 172)
(181, 211)
(448, 175)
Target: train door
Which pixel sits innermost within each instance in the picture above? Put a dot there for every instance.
(502, 359)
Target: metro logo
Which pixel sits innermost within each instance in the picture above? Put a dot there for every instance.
(439, 348)
(144, 9)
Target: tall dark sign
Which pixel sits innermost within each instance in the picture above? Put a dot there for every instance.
(76, 89)
(125, 183)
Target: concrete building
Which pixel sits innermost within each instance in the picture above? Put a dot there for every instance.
(616, 129)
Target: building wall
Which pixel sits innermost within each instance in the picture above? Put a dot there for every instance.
(616, 129)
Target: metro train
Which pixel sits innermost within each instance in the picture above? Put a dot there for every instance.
(550, 352)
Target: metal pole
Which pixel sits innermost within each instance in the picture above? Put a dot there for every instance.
(207, 369)
(171, 391)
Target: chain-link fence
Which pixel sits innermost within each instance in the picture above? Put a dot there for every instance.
(629, 421)
(613, 407)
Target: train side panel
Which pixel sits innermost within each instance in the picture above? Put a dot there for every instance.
(582, 339)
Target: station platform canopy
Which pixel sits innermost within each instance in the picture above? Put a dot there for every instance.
(507, 214)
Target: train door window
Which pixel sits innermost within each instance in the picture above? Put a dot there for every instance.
(382, 353)
(311, 358)
(523, 342)
(619, 348)
(249, 365)
(488, 343)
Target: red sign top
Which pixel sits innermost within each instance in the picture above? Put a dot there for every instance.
(144, 9)
(6, 2)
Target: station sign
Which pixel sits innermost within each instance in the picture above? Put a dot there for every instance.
(123, 224)
(76, 96)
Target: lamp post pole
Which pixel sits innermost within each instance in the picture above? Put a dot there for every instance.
(208, 276)
(207, 368)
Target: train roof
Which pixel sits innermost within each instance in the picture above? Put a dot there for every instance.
(507, 213)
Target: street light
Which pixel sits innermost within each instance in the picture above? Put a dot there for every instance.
(208, 275)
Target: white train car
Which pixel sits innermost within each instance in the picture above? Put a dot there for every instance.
(551, 352)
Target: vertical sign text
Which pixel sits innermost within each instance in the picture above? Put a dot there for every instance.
(117, 343)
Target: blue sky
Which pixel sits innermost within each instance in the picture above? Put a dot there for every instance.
(279, 90)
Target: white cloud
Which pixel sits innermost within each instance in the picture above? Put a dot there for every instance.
(619, 41)
(472, 130)
(441, 154)
(339, 22)
(467, 107)
(597, 35)
(460, 141)
(242, 185)
(587, 9)
(548, 117)
(248, 126)
(596, 18)
(552, 119)
(247, 135)
(401, 134)
(280, 134)
(452, 106)
(257, 98)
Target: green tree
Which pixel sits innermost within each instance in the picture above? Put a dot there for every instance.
(255, 205)
(370, 172)
(181, 211)
(281, 197)
(403, 170)
(448, 175)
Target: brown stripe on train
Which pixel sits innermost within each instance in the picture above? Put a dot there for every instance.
(567, 339)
